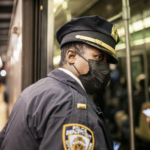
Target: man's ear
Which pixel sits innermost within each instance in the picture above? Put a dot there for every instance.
(70, 56)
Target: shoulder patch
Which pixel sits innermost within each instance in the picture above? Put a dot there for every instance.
(77, 137)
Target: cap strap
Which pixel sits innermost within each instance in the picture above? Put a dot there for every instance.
(98, 42)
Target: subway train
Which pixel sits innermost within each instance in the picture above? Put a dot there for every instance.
(32, 52)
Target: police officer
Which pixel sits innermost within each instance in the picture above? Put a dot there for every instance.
(56, 112)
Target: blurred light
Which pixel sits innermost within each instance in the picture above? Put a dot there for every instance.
(116, 145)
(1, 63)
(41, 7)
(135, 26)
(147, 40)
(147, 112)
(54, 10)
(20, 38)
(3, 73)
(16, 52)
(112, 66)
(131, 28)
(12, 60)
(147, 22)
(138, 42)
(56, 60)
(16, 55)
(120, 46)
(58, 1)
(19, 43)
(69, 16)
(65, 5)
(138, 25)
(121, 31)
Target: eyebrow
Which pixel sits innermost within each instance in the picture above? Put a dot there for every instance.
(101, 52)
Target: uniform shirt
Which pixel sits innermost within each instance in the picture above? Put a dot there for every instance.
(72, 75)
(55, 113)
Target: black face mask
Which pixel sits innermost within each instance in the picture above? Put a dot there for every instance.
(97, 77)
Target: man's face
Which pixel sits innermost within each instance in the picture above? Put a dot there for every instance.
(89, 53)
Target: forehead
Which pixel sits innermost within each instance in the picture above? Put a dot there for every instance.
(90, 50)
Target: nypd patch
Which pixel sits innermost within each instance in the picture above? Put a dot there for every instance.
(77, 137)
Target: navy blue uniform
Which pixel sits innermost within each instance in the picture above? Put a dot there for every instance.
(46, 117)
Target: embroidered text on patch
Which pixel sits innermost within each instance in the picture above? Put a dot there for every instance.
(77, 137)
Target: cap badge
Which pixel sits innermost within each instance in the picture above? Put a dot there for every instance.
(114, 33)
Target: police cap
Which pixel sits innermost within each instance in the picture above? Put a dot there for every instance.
(92, 30)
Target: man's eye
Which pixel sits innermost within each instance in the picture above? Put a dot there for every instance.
(99, 57)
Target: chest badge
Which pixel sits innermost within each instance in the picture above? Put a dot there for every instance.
(81, 106)
(114, 33)
(77, 137)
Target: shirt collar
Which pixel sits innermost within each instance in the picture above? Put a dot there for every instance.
(72, 75)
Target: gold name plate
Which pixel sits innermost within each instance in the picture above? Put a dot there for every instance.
(81, 106)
